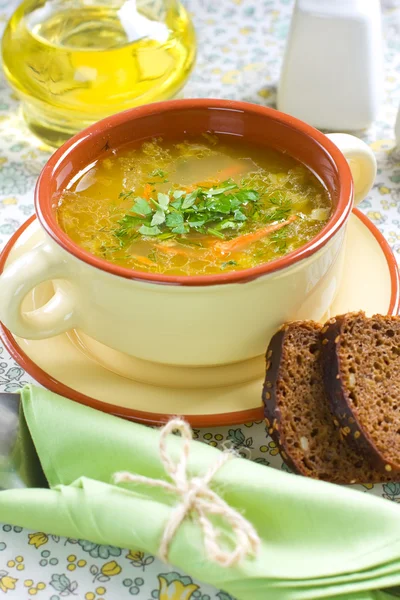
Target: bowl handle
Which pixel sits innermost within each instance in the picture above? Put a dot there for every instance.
(362, 162)
(36, 266)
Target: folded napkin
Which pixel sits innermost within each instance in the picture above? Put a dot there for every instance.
(317, 540)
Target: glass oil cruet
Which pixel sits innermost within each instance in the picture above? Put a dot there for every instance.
(73, 62)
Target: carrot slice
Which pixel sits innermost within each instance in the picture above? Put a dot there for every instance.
(144, 260)
(147, 191)
(230, 171)
(176, 250)
(248, 238)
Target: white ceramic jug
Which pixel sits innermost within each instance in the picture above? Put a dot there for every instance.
(332, 75)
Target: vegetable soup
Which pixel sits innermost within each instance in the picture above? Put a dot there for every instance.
(195, 207)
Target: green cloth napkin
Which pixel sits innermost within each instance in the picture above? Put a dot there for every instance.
(317, 540)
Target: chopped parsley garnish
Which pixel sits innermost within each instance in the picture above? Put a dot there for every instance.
(280, 239)
(221, 211)
(280, 208)
(229, 263)
(157, 173)
(211, 211)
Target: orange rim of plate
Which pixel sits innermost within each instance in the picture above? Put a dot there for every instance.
(149, 418)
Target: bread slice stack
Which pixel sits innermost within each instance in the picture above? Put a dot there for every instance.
(332, 397)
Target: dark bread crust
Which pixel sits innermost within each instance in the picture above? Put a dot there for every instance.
(338, 396)
(292, 361)
(272, 414)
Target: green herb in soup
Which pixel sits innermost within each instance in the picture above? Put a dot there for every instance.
(195, 207)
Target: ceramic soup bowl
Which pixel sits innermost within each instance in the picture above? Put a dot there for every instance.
(200, 320)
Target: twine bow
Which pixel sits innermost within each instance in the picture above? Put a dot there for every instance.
(197, 497)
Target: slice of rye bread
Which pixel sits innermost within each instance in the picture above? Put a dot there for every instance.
(361, 363)
(297, 411)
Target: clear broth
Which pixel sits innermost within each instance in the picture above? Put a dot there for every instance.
(290, 208)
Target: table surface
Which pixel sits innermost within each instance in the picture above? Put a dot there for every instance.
(240, 51)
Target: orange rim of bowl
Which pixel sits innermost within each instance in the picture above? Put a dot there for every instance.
(222, 419)
(46, 215)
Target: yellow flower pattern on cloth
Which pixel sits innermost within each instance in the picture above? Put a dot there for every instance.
(110, 569)
(34, 588)
(73, 562)
(88, 571)
(38, 539)
(139, 559)
(239, 56)
(7, 583)
(173, 587)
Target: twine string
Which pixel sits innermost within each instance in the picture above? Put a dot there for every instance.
(198, 498)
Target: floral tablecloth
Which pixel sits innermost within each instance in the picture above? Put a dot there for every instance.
(240, 50)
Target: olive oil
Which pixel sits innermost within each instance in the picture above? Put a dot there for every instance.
(74, 62)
